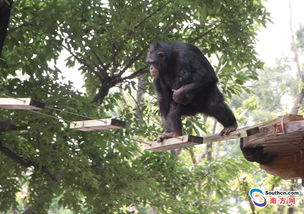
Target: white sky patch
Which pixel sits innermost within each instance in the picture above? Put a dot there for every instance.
(70, 74)
(274, 41)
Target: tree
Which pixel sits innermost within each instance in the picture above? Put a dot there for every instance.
(5, 9)
(106, 172)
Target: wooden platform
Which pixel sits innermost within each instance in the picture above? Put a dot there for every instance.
(189, 140)
(98, 124)
(282, 136)
(268, 135)
(20, 103)
(174, 143)
(287, 166)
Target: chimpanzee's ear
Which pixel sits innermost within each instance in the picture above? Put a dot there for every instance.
(162, 56)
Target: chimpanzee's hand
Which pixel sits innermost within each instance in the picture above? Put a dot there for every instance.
(228, 129)
(179, 96)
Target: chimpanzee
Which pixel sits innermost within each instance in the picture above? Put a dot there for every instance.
(186, 84)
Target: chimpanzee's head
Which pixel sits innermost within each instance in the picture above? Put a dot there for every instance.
(157, 58)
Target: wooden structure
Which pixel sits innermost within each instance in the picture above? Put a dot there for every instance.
(282, 137)
(20, 103)
(98, 124)
(189, 140)
(174, 143)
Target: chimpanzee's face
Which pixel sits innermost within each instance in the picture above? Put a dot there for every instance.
(155, 59)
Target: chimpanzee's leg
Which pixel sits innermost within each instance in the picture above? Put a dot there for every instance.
(172, 122)
(216, 107)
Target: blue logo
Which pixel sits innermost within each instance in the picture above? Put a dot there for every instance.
(257, 197)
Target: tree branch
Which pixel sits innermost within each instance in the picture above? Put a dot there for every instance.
(192, 155)
(26, 163)
(102, 93)
(300, 96)
(105, 88)
(130, 62)
(136, 73)
(131, 32)
(99, 60)
(151, 14)
(82, 61)
(20, 26)
(205, 33)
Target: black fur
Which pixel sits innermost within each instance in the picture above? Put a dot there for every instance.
(183, 67)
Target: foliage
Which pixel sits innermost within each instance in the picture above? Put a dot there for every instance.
(109, 38)
(274, 94)
(107, 171)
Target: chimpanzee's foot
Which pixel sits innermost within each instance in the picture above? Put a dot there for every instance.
(167, 136)
(228, 129)
(162, 138)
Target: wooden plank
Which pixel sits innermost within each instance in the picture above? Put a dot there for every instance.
(275, 134)
(286, 166)
(174, 143)
(284, 119)
(98, 124)
(20, 103)
(7, 126)
(243, 132)
(189, 140)
(280, 138)
(254, 132)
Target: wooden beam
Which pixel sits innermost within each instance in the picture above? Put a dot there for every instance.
(174, 143)
(98, 124)
(243, 132)
(189, 140)
(279, 139)
(7, 126)
(20, 103)
(282, 119)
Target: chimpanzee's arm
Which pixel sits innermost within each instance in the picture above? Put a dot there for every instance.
(202, 73)
(164, 96)
(201, 80)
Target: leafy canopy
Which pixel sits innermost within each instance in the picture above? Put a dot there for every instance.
(105, 172)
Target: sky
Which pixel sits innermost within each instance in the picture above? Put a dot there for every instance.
(273, 42)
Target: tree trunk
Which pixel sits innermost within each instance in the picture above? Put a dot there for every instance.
(140, 96)
(300, 96)
(209, 145)
(299, 100)
(5, 11)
